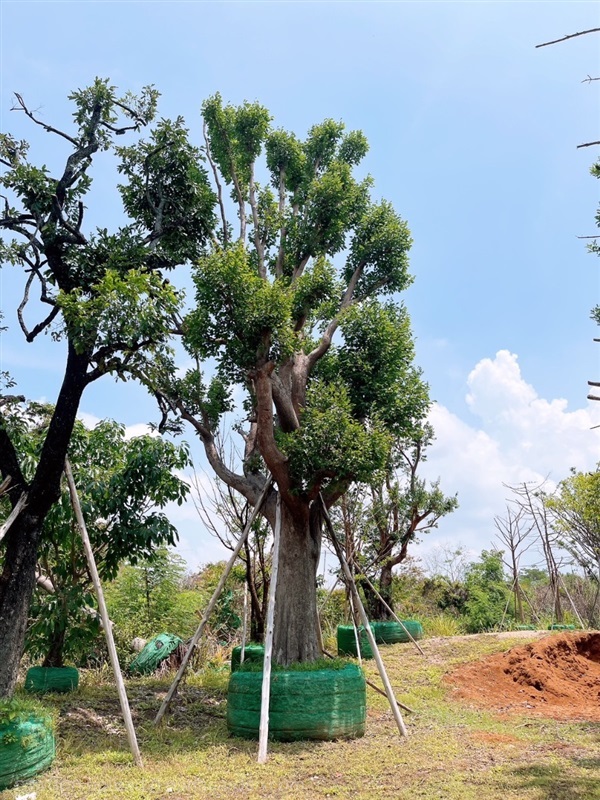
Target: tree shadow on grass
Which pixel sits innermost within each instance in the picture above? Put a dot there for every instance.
(90, 722)
(581, 782)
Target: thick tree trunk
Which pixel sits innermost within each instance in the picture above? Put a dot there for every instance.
(16, 588)
(295, 626)
(56, 645)
(385, 590)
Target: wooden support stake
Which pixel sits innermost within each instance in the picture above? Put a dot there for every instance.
(376, 688)
(110, 642)
(263, 734)
(213, 602)
(245, 624)
(365, 621)
(21, 503)
(406, 631)
(356, 633)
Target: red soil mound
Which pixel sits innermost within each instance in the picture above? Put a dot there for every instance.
(557, 676)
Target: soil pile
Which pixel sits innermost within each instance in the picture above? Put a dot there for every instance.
(557, 676)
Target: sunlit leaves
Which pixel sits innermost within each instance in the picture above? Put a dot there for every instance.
(331, 444)
(239, 317)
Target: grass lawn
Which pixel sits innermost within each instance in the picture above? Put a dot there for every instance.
(453, 752)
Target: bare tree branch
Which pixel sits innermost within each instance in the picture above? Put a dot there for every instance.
(570, 36)
(48, 128)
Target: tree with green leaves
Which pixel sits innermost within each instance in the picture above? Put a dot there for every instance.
(388, 516)
(575, 513)
(105, 293)
(123, 485)
(296, 326)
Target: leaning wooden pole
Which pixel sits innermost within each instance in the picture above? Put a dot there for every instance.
(263, 732)
(110, 642)
(365, 621)
(213, 602)
(394, 615)
(20, 505)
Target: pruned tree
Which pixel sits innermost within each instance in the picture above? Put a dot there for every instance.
(532, 500)
(514, 531)
(390, 515)
(105, 294)
(321, 354)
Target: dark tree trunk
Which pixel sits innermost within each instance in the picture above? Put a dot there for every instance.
(295, 627)
(18, 573)
(54, 654)
(16, 588)
(385, 590)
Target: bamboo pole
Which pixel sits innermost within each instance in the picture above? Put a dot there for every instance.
(110, 642)
(406, 631)
(376, 688)
(212, 603)
(365, 621)
(355, 626)
(245, 624)
(263, 734)
(21, 503)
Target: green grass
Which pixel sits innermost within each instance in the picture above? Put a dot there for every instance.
(453, 751)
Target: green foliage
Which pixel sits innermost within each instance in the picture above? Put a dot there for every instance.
(487, 592)
(239, 317)
(330, 442)
(122, 485)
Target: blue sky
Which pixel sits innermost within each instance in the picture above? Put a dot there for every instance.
(473, 136)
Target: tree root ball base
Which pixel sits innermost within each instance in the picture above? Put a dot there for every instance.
(40, 680)
(320, 704)
(346, 642)
(27, 747)
(253, 652)
(390, 632)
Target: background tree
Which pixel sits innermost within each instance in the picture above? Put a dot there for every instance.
(122, 485)
(105, 293)
(575, 510)
(515, 534)
(392, 513)
(323, 360)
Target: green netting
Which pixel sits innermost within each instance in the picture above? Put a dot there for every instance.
(346, 642)
(153, 653)
(252, 652)
(559, 627)
(391, 632)
(320, 704)
(51, 679)
(27, 747)
(525, 628)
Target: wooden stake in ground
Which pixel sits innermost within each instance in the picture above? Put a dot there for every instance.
(365, 621)
(110, 642)
(263, 734)
(245, 624)
(213, 601)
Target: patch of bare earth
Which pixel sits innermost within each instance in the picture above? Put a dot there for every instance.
(557, 677)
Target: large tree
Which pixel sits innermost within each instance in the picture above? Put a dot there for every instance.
(105, 294)
(296, 327)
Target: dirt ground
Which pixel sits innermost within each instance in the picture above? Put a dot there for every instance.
(557, 676)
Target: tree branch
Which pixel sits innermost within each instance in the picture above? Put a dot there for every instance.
(45, 126)
(217, 182)
(587, 144)
(570, 36)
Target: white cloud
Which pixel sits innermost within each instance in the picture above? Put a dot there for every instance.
(518, 436)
